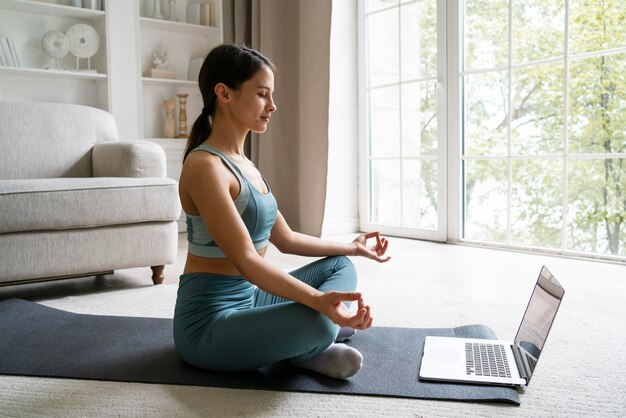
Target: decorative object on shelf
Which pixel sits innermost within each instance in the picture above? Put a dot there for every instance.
(201, 12)
(193, 12)
(76, 3)
(3, 61)
(159, 70)
(182, 115)
(194, 68)
(169, 124)
(156, 10)
(56, 45)
(172, 15)
(161, 56)
(207, 14)
(84, 43)
(91, 4)
(8, 52)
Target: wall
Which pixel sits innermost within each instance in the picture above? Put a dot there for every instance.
(124, 66)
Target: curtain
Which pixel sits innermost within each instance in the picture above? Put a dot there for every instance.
(293, 153)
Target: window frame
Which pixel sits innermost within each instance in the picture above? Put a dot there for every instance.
(440, 233)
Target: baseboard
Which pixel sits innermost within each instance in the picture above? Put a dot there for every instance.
(340, 226)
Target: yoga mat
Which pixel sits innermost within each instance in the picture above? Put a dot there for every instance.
(36, 340)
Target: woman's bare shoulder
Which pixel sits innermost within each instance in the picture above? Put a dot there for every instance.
(204, 173)
(202, 164)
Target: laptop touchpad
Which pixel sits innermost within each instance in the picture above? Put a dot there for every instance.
(444, 356)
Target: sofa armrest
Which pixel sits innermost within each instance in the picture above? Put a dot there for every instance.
(128, 159)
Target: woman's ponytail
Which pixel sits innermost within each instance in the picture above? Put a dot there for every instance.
(200, 131)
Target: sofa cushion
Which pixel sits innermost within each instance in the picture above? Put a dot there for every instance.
(62, 203)
(138, 158)
(48, 140)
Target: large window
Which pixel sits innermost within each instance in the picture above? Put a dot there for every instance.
(535, 121)
(403, 101)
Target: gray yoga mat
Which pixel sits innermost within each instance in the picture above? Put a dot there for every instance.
(36, 340)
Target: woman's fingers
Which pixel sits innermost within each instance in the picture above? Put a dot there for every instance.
(374, 234)
(361, 319)
(345, 296)
(369, 235)
(375, 251)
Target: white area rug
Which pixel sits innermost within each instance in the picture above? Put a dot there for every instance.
(581, 372)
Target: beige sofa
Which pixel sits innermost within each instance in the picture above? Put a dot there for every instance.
(76, 201)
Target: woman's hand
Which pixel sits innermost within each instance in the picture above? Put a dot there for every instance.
(331, 305)
(376, 251)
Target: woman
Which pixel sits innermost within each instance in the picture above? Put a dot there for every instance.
(234, 310)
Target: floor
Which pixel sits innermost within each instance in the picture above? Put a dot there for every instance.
(424, 285)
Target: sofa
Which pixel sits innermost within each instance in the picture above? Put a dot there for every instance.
(76, 201)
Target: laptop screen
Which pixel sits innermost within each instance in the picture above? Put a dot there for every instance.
(539, 316)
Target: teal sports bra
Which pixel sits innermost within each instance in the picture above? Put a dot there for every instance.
(257, 210)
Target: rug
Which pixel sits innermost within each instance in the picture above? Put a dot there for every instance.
(41, 341)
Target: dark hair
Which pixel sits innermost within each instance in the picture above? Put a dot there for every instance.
(229, 64)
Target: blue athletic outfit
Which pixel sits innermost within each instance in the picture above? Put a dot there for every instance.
(226, 323)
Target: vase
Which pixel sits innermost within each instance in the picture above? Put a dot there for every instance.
(156, 10)
(169, 123)
(182, 115)
(172, 4)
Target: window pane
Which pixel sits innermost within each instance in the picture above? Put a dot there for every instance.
(385, 191)
(598, 105)
(383, 48)
(485, 99)
(419, 119)
(596, 207)
(538, 30)
(485, 200)
(596, 25)
(486, 32)
(537, 202)
(384, 119)
(419, 40)
(537, 120)
(419, 193)
(373, 5)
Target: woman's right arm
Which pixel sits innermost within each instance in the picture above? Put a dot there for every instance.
(210, 185)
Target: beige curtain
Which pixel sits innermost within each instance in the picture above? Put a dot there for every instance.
(293, 153)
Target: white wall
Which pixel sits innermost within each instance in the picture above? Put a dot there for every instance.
(124, 97)
(341, 212)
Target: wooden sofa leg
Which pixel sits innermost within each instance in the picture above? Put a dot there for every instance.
(157, 274)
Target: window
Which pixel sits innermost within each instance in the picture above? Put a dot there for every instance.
(404, 149)
(535, 122)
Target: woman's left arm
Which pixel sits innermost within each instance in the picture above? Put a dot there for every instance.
(290, 242)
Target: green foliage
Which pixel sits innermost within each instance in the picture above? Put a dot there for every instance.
(594, 215)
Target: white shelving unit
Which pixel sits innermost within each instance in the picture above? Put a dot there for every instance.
(25, 22)
(50, 9)
(184, 42)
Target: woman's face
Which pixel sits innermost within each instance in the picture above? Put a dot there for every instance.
(253, 103)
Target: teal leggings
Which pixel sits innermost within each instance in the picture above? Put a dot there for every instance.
(225, 323)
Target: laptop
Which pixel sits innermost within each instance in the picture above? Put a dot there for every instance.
(497, 362)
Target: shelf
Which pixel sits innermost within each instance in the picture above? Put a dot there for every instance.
(180, 141)
(148, 81)
(50, 9)
(38, 72)
(177, 145)
(170, 26)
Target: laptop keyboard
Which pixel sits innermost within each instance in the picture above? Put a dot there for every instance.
(483, 359)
